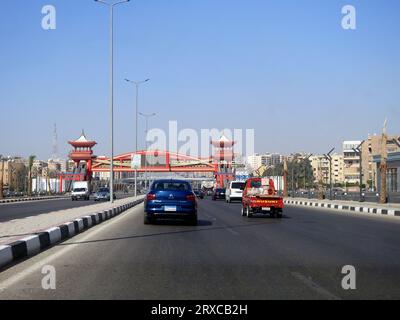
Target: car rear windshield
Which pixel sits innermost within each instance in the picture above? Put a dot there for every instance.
(79, 190)
(237, 185)
(104, 190)
(220, 190)
(256, 184)
(171, 186)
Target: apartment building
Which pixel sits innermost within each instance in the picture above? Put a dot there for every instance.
(370, 150)
(268, 159)
(351, 161)
(254, 161)
(321, 169)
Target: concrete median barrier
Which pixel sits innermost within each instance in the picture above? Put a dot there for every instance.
(33, 199)
(365, 209)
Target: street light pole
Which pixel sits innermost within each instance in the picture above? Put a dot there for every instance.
(147, 116)
(111, 7)
(137, 84)
(358, 152)
(329, 158)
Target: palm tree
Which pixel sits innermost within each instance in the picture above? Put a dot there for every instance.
(31, 159)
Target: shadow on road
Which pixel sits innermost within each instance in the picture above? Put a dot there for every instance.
(191, 229)
(174, 222)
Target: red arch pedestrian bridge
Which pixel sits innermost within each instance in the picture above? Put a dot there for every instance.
(155, 161)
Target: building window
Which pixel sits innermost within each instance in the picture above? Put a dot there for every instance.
(392, 180)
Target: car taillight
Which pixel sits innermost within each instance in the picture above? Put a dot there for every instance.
(151, 196)
(191, 197)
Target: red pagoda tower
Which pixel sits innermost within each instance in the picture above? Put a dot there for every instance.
(83, 153)
(223, 159)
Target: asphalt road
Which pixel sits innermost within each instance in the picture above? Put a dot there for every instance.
(21, 210)
(226, 257)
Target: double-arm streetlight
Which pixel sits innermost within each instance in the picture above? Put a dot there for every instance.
(329, 158)
(111, 6)
(358, 152)
(147, 116)
(137, 84)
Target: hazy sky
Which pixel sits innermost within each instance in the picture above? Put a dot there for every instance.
(285, 68)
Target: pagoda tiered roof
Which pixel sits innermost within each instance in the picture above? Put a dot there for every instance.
(82, 142)
(223, 142)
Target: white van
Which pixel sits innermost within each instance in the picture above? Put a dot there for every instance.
(80, 190)
(234, 191)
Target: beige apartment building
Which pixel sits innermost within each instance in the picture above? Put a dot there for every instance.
(321, 169)
(351, 160)
(14, 174)
(371, 148)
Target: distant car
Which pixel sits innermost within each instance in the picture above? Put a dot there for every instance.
(235, 191)
(103, 194)
(199, 193)
(219, 194)
(170, 199)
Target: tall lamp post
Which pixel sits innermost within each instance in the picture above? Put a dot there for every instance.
(111, 7)
(329, 158)
(147, 116)
(137, 84)
(358, 152)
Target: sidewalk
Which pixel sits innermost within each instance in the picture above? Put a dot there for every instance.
(391, 209)
(13, 230)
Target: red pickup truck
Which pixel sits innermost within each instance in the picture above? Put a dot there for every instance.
(260, 196)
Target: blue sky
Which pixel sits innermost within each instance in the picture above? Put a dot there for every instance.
(285, 68)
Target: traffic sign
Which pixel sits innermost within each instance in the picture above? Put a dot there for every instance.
(136, 161)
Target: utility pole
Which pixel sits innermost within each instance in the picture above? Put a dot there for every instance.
(358, 151)
(383, 166)
(329, 158)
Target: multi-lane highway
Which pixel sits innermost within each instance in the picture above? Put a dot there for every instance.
(226, 257)
(20, 210)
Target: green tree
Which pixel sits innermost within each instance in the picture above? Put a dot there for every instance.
(300, 173)
(31, 159)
